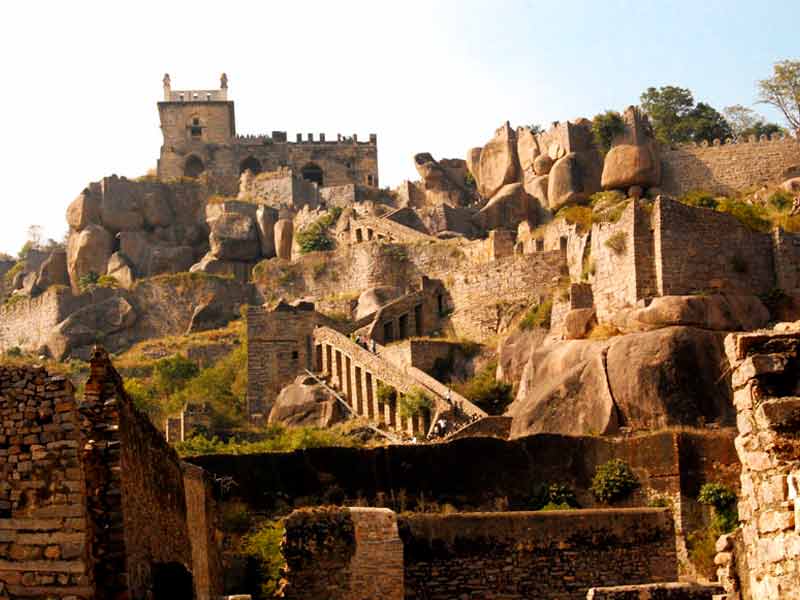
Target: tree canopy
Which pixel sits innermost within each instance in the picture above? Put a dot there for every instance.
(782, 91)
(677, 119)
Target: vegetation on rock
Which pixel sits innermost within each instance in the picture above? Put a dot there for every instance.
(486, 391)
(605, 126)
(613, 481)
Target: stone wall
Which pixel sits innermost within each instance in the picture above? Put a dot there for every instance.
(787, 260)
(512, 556)
(43, 514)
(280, 189)
(765, 374)
(727, 168)
(29, 322)
(699, 249)
(656, 591)
(343, 554)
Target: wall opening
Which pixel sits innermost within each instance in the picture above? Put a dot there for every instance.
(563, 243)
(418, 319)
(312, 172)
(369, 180)
(194, 167)
(388, 332)
(172, 581)
(196, 129)
(359, 236)
(403, 327)
(251, 164)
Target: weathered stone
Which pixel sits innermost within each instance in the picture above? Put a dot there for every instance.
(498, 162)
(53, 271)
(791, 185)
(120, 270)
(266, 217)
(213, 266)
(284, 234)
(306, 404)
(120, 206)
(578, 322)
(542, 164)
(510, 206)
(234, 237)
(565, 183)
(536, 186)
(156, 210)
(88, 251)
(84, 211)
(633, 159)
(527, 148)
(372, 299)
(85, 326)
(209, 315)
(474, 162)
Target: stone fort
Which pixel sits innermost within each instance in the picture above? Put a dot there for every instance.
(199, 128)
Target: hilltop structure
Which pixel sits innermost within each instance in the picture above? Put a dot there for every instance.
(199, 128)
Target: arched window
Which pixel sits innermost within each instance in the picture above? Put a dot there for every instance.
(250, 164)
(194, 166)
(196, 128)
(312, 172)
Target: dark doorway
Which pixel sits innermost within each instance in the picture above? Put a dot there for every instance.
(312, 172)
(172, 581)
(194, 166)
(388, 332)
(418, 319)
(250, 164)
(403, 326)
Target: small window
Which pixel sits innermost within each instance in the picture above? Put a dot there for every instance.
(196, 129)
(348, 164)
(295, 355)
(369, 179)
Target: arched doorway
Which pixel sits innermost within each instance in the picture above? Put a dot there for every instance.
(251, 164)
(172, 581)
(194, 166)
(312, 172)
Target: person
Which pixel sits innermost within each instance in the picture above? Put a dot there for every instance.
(374, 347)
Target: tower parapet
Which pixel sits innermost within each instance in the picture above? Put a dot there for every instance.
(220, 95)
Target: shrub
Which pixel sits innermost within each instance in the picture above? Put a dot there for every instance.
(617, 242)
(606, 199)
(553, 496)
(107, 281)
(613, 481)
(723, 500)
(12, 272)
(603, 331)
(386, 393)
(88, 280)
(577, 215)
(14, 352)
(171, 374)
(605, 126)
(699, 199)
(486, 391)
(781, 200)
(749, 215)
(275, 438)
(264, 548)
(314, 237)
(235, 517)
(538, 316)
(414, 404)
(469, 181)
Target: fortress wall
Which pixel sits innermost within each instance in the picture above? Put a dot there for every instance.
(700, 249)
(787, 260)
(29, 322)
(614, 283)
(520, 555)
(727, 168)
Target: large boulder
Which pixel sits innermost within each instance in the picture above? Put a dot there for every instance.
(169, 259)
(527, 148)
(578, 322)
(627, 165)
(791, 185)
(284, 235)
(650, 380)
(135, 245)
(120, 269)
(372, 299)
(510, 206)
(515, 351)
(234, 237)
(212, 265)
(120, 207)
(84, 211)
(536, 186)
(91, 324)
(88, 251)
(498, 162)
(633, 159)
(565, 182)
(714, 312)
(305, 403)
(473, 162)
(53, 271)
(266, 217)
(156, 210)
(542, 164)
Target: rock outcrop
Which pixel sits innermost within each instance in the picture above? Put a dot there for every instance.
(565, 183)
(633, 159)
(498, 162)
(88, 252)
(284, 236)
(508, 208)
(304, 403)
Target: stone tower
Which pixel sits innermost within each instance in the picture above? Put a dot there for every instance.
(199, 130)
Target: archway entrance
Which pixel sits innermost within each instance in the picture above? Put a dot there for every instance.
(172, 581)
(194, 166)
(250, 164)
(312, 172)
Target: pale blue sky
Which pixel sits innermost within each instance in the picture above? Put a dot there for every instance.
(82, 78)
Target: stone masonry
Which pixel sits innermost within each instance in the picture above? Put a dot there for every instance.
(766, 565)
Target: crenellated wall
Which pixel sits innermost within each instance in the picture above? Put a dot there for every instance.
(729, 167)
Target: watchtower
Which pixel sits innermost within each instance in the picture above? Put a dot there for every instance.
(199, 128)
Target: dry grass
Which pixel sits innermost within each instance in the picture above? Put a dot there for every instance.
(603, 331)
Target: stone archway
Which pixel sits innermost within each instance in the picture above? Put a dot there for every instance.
(172, 581)
(252, 164)
(312, 172)
(194, 166)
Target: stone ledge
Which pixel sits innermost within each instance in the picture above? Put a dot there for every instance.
(44, 566)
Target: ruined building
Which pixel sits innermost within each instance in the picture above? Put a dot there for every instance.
(199, 128)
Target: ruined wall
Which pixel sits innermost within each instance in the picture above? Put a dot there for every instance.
(613, 257)
(786, 255)
(343, 554)
(765, 374)
(282, 188)
(29, 322)
(202, 520)
(699, 249)
(44, 549)
(727, 168)
(543, 555)
(279, 347)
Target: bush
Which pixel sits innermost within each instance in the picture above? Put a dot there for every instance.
(577, 215)
(276, 438)
(749, 215)
(14, 352)
(486, 391)
(107, 281)
(386, 393)
(699, 199)
(314, 237)
(171, 374)
(613, 481)
(605, 126)
(538, 316)
(781, 200)
(603, 331)
(12, 272)
(617, 242)
(264, 548)
(88, 280)
(414, 404)
(723, 500)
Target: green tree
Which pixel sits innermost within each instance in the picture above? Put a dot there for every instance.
(705, 123)
(745, 122)
(668, 107)
(782, 91)
(605, 126)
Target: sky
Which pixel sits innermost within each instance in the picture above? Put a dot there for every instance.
(83, 78)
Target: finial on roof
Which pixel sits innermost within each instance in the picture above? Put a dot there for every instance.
(223, 82)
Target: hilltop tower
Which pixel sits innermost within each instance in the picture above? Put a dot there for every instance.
(199, 129)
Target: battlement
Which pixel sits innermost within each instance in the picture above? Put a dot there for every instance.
(753, 139)
(280, 137)
(220, 95)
